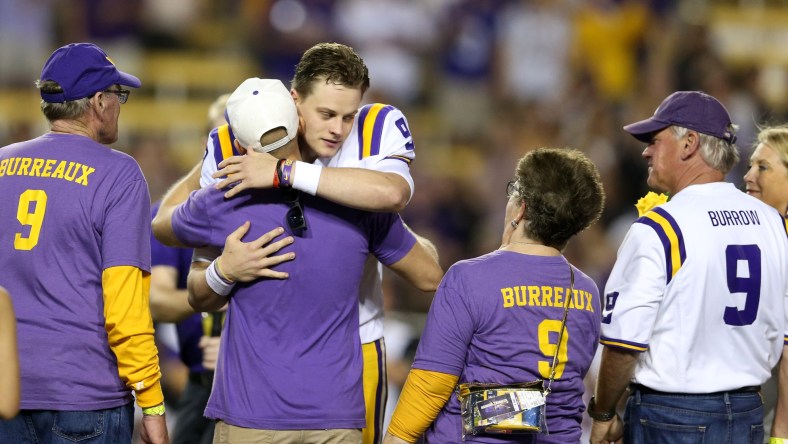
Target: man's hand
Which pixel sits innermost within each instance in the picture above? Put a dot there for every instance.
(253, 170)
(210, 351)
(246, 261)
(154, 430)
(608, 431)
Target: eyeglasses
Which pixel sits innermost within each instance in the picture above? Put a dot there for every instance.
(295, 215)
(123, 94)
(512, 188)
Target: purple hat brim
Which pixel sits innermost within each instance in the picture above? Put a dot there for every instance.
(128, 80)
(643, 130)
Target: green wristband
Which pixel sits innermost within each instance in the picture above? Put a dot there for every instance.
(156, 410)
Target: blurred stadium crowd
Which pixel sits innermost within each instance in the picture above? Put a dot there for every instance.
(480, 81)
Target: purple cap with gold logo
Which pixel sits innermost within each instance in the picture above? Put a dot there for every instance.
(82, 69)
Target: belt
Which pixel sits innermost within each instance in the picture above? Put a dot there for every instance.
(649, 391)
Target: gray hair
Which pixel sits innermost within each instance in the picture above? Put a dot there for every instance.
(717, 153)
(68, 110)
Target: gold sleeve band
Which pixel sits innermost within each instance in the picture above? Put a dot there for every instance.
(130, 331)
(423, 396)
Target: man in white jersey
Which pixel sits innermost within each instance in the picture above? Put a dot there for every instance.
(694, 312)
(373, 147)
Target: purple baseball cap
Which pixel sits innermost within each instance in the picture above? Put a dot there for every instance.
(689, 109)
(82, 69)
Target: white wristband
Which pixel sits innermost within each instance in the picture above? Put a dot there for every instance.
(306, 177)
(217, 284)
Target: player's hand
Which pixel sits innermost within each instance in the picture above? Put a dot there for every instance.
(608, 431)
(210, 351)
(154, 430)
(246, 261)
(253, 170)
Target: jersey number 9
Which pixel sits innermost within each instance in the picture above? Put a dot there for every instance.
(548, 348)
(34, 218)
(748, 282)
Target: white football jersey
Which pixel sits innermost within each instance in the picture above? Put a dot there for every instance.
(700, 287)
(380, 140)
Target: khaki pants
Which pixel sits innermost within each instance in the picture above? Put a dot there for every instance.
(230, 434)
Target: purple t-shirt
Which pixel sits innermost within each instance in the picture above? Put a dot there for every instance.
(291, 354)
(488, 324)
(69, 208)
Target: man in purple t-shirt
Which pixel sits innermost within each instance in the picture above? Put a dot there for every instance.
(75, 257)
(291, 355)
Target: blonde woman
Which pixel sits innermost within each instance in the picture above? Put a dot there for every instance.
(767, 179)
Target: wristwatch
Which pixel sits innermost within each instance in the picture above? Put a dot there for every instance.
(156, 410)
(599, 416)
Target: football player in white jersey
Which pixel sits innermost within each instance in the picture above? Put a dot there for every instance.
(695, 313)
(361, 159)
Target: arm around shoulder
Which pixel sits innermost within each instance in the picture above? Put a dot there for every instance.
(362, 189)
(359, 188)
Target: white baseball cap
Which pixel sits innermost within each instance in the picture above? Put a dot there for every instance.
(258, 106)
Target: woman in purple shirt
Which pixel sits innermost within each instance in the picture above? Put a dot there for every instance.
(497, 318)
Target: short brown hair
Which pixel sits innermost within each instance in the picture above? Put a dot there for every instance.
(562, 192)
(331, 63)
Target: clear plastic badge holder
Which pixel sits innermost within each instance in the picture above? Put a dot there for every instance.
(496, 408)
(490, 408)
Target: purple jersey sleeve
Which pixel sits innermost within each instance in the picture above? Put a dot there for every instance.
(391, 240)
(127, 207)
(191, 220)
(449, 329)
